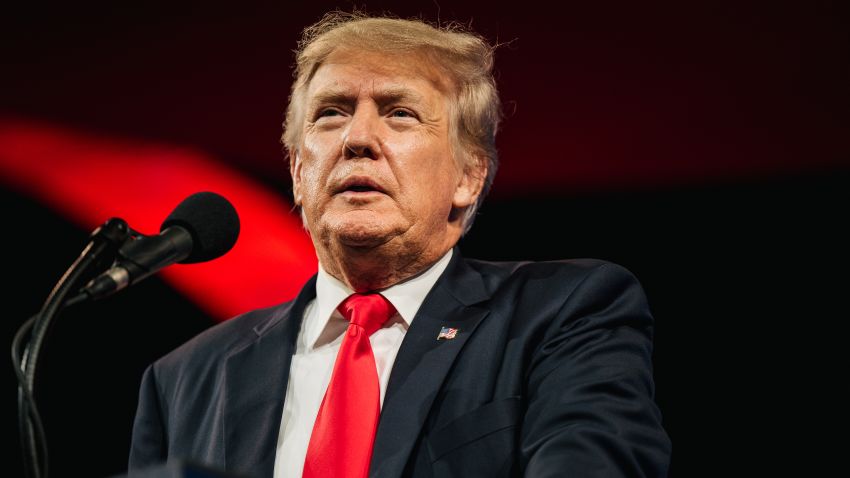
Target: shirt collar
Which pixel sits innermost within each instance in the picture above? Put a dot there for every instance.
(406, 296)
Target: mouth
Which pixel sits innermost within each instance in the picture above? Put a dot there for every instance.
(359, 185)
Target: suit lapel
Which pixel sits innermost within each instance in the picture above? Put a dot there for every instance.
(423, 362)
(255, 386)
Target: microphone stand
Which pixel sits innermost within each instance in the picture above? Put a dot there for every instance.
(98, 255)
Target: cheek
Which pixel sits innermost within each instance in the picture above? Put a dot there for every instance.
(429, 175)
(309, 183)
(315, 165)
(426, 153)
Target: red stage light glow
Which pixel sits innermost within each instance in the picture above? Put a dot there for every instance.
(89, 179)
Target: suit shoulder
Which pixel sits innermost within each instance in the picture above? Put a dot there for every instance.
(574, 294)
(568, 272)
(210, 347)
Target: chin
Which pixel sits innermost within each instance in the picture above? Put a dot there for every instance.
(362, 234)
(362, 240)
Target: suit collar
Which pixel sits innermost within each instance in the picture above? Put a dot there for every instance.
(463, 282)
(256, 375)
(406, 296)
(423, 362)
(283, 311)
(255, 382)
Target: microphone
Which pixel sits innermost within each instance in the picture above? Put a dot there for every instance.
(204, 226)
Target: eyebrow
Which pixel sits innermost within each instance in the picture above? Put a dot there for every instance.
(383, 97)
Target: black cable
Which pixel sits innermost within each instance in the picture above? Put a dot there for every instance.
(98, 254)
(34, 438)
(52, 306)
(30, 427)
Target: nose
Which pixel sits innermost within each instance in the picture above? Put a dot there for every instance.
(362, 138)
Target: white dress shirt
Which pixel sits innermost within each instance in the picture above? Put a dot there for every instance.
(316, 348)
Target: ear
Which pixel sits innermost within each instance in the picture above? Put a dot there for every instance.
(471, 183)
(295, 172)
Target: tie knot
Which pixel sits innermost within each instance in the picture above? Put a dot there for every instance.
(369, 311)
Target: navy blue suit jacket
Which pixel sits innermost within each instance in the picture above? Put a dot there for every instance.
(549, 374)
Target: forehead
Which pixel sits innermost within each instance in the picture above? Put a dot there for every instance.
(355, 72)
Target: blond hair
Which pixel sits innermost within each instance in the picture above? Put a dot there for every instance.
(465, 57)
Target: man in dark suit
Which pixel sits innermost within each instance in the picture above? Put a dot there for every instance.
(400, 357)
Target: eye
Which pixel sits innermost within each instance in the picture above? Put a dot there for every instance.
(328, 112)
(400, 113)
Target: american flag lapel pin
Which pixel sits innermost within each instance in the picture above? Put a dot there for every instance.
(447, 333)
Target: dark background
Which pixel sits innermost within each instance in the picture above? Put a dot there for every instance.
(703, 146)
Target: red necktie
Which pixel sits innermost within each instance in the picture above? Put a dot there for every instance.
(342, 438)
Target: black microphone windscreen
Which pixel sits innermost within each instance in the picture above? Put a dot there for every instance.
(211, 220)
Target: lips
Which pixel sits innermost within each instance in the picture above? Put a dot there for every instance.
(359, 184)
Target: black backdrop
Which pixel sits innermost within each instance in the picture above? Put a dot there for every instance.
(740, 247)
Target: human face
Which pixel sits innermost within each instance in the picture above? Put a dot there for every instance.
(375, 164)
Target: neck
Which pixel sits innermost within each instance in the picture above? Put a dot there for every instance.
(372, 269)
